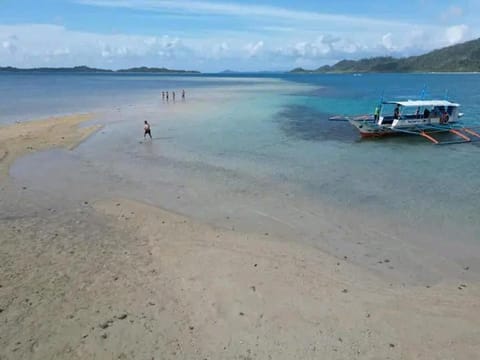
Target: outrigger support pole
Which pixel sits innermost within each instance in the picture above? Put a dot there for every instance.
(429, 137)
(471, 132)
(463, 136)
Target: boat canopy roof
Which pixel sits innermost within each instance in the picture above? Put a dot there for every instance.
(417, 103)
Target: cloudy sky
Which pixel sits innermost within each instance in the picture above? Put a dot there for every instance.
(215, 35)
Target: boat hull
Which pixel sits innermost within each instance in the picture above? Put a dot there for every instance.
(369, 129)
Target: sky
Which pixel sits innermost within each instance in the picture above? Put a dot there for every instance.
(216, 35)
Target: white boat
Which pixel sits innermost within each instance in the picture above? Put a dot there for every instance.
(415, 117)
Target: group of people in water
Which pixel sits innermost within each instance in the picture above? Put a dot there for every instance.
(166, 95)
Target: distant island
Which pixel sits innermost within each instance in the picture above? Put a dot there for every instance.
(86, 69)
(145, 69)
(463, 57)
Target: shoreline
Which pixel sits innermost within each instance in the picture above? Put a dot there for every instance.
(118, 278)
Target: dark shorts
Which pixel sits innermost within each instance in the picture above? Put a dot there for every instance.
(148, 132)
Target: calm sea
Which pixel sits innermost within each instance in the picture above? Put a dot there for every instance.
(261, 154)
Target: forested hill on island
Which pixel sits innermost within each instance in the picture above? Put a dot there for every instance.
(463, 57)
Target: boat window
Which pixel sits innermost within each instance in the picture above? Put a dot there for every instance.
(413, 112)
(387, 120)
(388, 111)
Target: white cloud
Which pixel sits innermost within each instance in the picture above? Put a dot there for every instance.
(456, 34)
(9, 43)
(220, 50)
(346, 45)
(106, 51)
(324, 47)
(53, 45)
(38, 45)
(61, 52)
(387, 41)
(9, 46)
(254, 49)
(306, 49)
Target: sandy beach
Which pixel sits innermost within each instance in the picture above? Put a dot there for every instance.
(239, 180)
(116, 278)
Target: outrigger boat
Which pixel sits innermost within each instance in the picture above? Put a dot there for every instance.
(425, 118)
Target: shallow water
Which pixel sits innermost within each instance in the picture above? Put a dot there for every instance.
(259, 154)
(32, 95)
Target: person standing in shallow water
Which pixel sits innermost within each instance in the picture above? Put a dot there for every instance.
(173, 96)
(183, 94)
(147, 131)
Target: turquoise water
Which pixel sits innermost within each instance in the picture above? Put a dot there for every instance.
(258, 153)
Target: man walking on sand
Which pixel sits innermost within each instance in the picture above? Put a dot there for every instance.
(146, 128)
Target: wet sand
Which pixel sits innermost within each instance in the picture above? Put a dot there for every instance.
(28, 137)
(119, 279)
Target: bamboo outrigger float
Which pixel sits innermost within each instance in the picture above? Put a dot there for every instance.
(426, 118)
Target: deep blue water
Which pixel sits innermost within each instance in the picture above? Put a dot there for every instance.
(357, 94)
